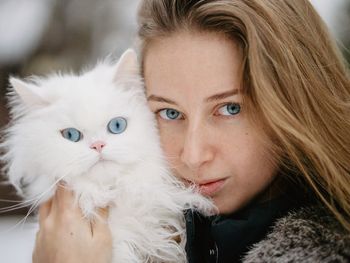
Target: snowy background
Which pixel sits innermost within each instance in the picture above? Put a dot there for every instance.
(40, 36)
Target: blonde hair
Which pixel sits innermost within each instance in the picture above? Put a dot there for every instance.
(295, 81)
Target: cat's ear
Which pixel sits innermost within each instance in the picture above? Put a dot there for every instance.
(29, 93)
(127, 65)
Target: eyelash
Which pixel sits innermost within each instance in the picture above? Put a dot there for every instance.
(226, 105)
(158, 112)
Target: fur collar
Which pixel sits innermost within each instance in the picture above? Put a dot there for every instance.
(309, 234)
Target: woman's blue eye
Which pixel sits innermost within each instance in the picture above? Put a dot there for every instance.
(230, 109)
(71, 134)
(169, 114)
(117, 125)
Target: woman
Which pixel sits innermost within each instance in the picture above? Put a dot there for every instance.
(252, 101)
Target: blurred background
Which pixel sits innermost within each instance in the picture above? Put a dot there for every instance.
(41, 36)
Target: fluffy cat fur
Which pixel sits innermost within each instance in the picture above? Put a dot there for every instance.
(129, 175)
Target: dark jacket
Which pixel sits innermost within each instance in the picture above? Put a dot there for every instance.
(277, 231)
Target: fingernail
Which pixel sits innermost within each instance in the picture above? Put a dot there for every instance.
(63, 183)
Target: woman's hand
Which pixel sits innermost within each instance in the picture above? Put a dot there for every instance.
(66, 237)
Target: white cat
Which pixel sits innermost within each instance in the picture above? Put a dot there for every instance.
(95, 132)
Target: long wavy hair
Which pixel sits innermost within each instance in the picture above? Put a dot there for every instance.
(295, 82)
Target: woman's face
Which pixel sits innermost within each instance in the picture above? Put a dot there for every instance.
(193, 83)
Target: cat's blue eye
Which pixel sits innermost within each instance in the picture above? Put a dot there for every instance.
(170, 114)
(72, 134)
(230, 109)
(117, 125)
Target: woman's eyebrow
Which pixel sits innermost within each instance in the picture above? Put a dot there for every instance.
(160, 99)
(212, 98)
(222, 95)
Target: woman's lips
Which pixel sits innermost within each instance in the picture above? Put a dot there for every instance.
(210, 188)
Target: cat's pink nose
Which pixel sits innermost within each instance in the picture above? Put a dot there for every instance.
(98, 145)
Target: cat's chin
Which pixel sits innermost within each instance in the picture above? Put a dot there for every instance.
(102, 164)
(102, 168)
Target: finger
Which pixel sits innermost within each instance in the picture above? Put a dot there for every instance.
(34, 257)
(54, 203)
(62, 202)
(64, 197)
(44, 211)
(36, 247)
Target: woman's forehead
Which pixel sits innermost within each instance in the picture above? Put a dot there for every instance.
(207, 64)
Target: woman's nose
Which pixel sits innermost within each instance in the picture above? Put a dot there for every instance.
(197, 149)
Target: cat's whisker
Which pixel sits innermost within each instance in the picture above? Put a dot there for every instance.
(12, 208)
(21, 204)
(26, 203)
(23, 220)
(74, 161)
(36, 203)
(20, 222)
(31, 209)
(83, 159)
(10, 201)
(41, 195)
(34, 200)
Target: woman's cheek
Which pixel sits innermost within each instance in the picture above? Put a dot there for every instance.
(171, 141)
